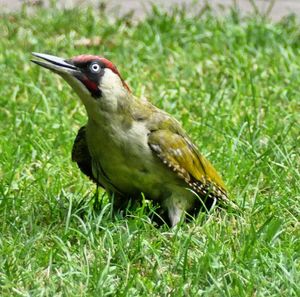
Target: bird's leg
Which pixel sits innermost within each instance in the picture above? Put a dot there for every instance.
(97, 205)
(119, 202)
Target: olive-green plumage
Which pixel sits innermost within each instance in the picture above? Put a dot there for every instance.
(174, 148)
(129, 146)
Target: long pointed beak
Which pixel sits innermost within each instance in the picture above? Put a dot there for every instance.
(55, 64)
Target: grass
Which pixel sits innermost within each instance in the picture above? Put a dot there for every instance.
(234, 84)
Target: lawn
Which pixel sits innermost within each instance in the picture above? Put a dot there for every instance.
(233, 82)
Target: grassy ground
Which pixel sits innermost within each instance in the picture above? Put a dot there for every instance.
(233, 83)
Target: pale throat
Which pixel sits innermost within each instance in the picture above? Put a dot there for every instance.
(114, 102)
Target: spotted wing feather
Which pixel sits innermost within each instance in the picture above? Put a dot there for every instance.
(178, 153)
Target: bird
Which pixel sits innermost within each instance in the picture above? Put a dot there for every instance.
(131, 147)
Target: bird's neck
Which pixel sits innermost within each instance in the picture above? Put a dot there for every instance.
(112, 111)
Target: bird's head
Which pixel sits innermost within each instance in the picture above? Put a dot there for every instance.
(95, 79)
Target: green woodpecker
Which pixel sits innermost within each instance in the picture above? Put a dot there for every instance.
(129, 146)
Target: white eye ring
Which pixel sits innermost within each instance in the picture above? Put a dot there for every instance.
(95, 67)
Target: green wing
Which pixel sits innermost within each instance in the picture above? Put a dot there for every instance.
(81, 154)
(180, 154)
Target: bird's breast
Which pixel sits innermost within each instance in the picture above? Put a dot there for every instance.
(122, 155)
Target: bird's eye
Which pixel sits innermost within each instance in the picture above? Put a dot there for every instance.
(95, 68)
